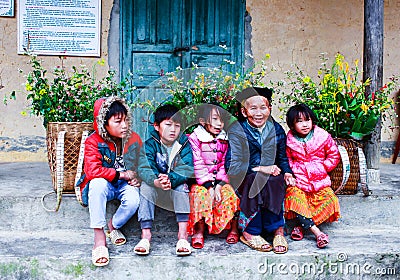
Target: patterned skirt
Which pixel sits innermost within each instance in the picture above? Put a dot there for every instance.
(217, 216)
(321, 206)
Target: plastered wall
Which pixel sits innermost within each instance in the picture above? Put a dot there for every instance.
(291, 31)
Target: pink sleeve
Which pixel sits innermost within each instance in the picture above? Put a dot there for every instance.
(200, 169)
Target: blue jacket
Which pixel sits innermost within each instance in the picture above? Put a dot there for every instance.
(153, 161)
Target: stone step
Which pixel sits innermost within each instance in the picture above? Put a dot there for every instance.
(354, 253)
(35, 244)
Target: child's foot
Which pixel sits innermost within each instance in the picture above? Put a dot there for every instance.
(143, 247)
(115, 235)
(100, 256)
(233, 237)
(198, 236)
(183, 248)
(322, 240)
(297, 233)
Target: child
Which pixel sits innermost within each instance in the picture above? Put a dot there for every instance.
(166, 164)
(107, 177)
(213, 201)
(312, 153)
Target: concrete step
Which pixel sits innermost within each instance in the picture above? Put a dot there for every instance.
(35, 244)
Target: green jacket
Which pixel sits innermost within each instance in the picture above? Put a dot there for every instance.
(154, 160)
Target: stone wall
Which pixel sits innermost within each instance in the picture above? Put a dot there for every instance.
(290, 31)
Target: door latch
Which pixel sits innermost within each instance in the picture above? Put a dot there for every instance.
(177, 51)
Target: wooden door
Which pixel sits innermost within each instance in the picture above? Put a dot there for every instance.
(160, 35)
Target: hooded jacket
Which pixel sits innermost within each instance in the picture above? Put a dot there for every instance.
(101, 151)
(311, 161)
(154, 160)
(209, 154)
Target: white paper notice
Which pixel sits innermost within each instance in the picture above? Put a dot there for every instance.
(59, 27)
(7, 8)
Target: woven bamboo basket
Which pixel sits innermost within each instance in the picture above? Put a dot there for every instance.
(337, 174)
(72, 141)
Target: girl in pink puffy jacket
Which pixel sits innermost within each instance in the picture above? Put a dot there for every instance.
(312, 153)
(213, 201)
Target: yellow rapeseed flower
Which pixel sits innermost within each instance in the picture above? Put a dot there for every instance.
(267, 56)
(42, 91)
(306, 79)
(23, 113)
(101, 62)
(364, 108)
(28, 87)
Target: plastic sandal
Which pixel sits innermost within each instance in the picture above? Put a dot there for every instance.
(145, 244)
(198, 242)
(100, 252)
(322, 240)
(257, 243)
(297, 233)
(183, 244)
(280, 241)
(116, 235)
(232, 238)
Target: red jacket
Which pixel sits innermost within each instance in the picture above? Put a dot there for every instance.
(311, 161)
(100, 149)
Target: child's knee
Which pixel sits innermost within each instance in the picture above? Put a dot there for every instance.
(98, 186)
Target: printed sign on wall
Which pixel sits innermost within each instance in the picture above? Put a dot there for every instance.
(6, 8)
(59, 27)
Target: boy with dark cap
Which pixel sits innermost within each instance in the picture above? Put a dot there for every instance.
(259, 168)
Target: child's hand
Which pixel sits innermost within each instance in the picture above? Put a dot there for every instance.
(274, 170)
(289, 179)
(217, 195)
(164, 181)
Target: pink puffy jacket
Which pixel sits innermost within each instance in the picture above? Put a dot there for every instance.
(311, 161)
(209, 155)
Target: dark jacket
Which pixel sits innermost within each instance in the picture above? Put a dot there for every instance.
(245, 152)
(154, 160)
(101, 151)
(257, 189)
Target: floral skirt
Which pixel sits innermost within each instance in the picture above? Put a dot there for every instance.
(321, 206)
(216, 216)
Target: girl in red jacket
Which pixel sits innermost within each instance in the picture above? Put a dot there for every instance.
(212, 200)
(312, 153)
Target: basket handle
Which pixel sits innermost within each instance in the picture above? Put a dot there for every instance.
(59, 172)
(363, 172)
(346, 167)
(78, 194)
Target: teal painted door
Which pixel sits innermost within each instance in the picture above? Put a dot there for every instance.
(160, 35)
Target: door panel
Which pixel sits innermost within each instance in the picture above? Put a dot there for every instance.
(153, 29)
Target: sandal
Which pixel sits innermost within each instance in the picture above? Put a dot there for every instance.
(232, 238)
(143, 243)
(280, 241)
(198, 242)
(116, 237)
(322, 240)
(100, 252)
(257, 243)
(297, 233)
(183, 244)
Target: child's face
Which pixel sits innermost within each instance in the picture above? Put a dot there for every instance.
(302, 126)
(214, 124)
(257, 110)
(168, 131)
(117, 126)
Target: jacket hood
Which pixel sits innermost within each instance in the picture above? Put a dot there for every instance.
(101, 107)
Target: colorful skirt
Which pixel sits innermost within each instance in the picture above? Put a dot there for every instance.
(321, 206)
(217, 216)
